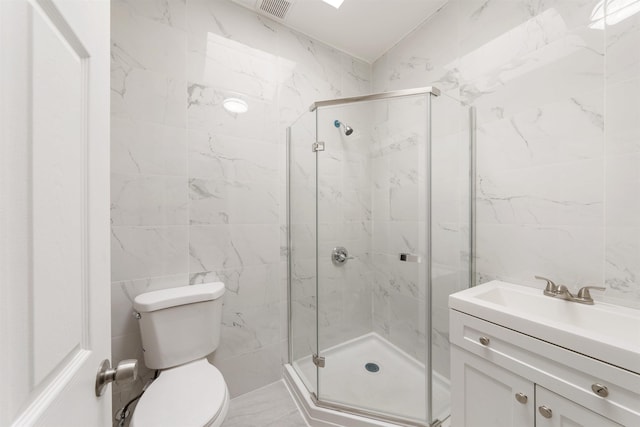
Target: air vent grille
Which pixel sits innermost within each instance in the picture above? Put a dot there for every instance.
(277, 8)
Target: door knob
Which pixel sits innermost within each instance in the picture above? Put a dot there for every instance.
(545, 412)
(124, 373)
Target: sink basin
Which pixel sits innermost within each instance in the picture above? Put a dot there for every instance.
(603, 331)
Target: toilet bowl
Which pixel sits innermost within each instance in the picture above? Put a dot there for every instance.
(179, 328)
(191, 395)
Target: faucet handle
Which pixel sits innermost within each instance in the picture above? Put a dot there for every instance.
(551, 289)
(584, 293)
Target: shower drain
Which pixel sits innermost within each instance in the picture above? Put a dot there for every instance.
(372, 367)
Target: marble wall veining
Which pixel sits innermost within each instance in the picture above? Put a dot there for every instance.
(557, 134)
(198, 193)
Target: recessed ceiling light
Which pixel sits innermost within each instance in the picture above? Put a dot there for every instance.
(334, 3)
(235, 105)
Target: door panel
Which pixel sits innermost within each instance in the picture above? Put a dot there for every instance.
(303, 332)
(562, 412)
(58, 193)
(484, 394)
(55, 210)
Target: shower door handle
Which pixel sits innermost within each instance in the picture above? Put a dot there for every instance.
(410, 258)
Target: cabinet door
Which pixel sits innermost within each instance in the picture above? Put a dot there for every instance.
(486, 395)
(554, 410)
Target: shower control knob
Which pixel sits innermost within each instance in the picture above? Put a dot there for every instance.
(124, 373)
(340, 255)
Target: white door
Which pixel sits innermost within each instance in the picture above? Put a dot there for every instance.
(54, 211)
(486, 395)
(557, 411)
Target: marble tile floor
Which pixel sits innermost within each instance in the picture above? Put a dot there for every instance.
(269, 406)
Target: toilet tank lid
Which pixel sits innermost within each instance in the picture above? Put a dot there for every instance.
(165, 298)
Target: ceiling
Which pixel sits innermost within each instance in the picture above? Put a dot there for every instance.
(365, 29)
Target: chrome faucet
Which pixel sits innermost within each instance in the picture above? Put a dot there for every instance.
(584, 296)
(561, 291)
(551, 289)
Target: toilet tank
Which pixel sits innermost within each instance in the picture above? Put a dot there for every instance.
(179, 325)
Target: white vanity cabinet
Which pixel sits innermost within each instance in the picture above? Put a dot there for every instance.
(504, 378)
(558, 411)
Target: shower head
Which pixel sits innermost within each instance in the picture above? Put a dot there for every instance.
(347, 129)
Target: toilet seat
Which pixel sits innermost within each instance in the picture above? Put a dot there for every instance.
(190, 395)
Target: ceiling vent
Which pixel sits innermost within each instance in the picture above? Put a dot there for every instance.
(274, 8)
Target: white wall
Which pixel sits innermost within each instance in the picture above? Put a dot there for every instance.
(557, 134)
(198, 194)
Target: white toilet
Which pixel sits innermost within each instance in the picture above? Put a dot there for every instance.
(179, 328)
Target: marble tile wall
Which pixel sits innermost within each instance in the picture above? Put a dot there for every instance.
(149, 178)
(622, 157)
(198, 193)
(557, 134)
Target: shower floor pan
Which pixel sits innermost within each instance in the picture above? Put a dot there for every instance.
(398, 388)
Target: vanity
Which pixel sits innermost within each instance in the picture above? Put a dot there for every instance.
(520, 358)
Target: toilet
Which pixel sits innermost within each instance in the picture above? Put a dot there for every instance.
(179, 328)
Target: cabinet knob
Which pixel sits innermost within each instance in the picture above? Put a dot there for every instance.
(600, 390)
(545, 412)
(484, 340)
(521, 397)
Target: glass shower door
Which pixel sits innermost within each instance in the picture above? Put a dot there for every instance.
(302, 236)
(373, 257)
(450, 233)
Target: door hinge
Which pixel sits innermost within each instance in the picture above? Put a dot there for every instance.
(318, 360)
(317, 146)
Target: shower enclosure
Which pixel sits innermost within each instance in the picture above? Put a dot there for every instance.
(379, 236)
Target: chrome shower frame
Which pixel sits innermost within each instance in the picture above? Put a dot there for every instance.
(382, 95)
(427, 264)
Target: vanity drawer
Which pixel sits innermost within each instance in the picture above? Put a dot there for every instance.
(565, 372)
